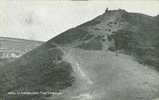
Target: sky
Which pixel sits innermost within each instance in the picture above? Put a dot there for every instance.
(44, 19)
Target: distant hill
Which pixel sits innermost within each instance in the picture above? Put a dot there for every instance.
(11, 48)
(112, 57)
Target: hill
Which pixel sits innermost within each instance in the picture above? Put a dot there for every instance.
(119, 31)
(12, 48)
(112, 57)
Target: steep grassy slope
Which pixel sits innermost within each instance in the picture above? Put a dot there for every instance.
(119, 31)
(52, 66)
(106, 76)
(42, 69)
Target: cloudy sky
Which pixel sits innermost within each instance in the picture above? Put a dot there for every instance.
(44, 19)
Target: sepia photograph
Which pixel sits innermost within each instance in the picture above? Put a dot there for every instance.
(79, 49)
